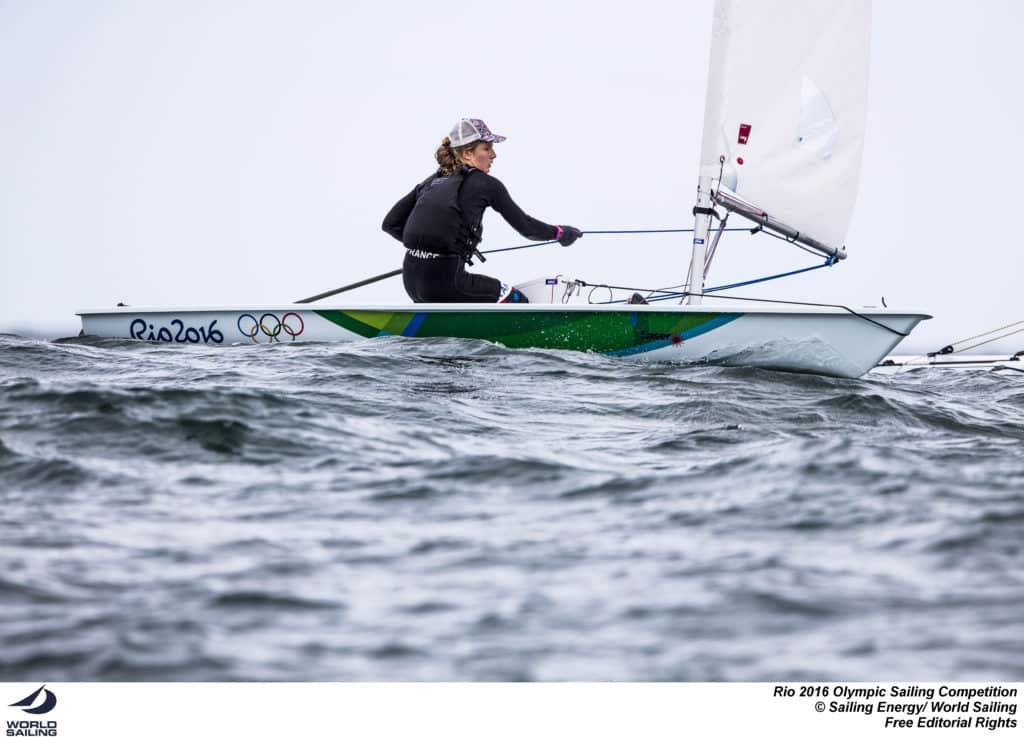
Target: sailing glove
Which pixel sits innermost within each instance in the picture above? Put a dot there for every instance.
(567, 234)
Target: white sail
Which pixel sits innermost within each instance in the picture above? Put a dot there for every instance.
(786, 108)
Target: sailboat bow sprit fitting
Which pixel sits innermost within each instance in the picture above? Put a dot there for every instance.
(783, 134)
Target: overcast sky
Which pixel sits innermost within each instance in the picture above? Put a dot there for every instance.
(198, 153)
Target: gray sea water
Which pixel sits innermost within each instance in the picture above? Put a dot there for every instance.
(453, 510)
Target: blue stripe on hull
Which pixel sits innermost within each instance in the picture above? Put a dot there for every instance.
(712, 324)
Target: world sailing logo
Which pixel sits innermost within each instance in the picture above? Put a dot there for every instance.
(34, 727)
(49, 701)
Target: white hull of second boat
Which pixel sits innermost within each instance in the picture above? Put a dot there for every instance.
(966, 362)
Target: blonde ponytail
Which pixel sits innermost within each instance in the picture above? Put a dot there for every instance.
(446, 157)
(449, 157)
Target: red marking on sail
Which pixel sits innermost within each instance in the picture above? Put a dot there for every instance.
(744, 133)
(739, 160)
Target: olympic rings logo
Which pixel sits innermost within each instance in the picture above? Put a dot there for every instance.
(271, 326)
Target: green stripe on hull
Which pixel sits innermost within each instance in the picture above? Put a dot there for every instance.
(616, 332)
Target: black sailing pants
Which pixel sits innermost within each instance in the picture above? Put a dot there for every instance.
(445, 279)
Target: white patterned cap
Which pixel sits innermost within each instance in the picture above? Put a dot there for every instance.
(469, 130)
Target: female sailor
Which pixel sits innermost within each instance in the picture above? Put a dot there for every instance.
(439, 221)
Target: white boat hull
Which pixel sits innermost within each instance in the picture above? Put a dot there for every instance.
(822, 340)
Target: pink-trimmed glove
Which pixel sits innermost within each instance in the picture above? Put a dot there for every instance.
(567, 234)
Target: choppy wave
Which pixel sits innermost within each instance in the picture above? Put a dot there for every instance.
(457, 511)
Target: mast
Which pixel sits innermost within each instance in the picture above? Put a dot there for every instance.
(709, 148)
(701, 228)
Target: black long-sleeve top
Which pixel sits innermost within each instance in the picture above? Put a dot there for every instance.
(479, 191)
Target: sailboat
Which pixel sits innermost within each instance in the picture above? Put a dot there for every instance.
(784, 125)
(958, 354)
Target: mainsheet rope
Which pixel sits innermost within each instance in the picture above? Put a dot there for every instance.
(829, 261)
(611, 232)
(752, 230)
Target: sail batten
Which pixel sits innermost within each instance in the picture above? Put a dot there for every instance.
(786, 110)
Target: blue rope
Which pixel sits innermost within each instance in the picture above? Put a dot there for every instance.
(609, 232)
(660, 230)
(830, 261)
(516, 248)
